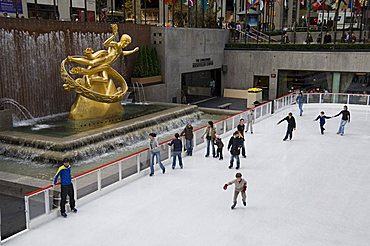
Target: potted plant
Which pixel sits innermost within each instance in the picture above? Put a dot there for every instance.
(147, 70)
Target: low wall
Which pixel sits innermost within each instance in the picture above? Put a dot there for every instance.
(234, 93)
(18, 185)
(244, 65)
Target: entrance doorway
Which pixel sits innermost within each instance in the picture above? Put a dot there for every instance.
(263, 83)
(196, 86)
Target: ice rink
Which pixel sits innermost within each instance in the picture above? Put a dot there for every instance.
(313, 190)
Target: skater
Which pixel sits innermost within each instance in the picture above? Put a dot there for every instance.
(188, 133)
(210, 134)
(322, 118)
(220, 146)
(177, 148)
(300, 100)
(250, 121)
(346, 117)
(66, 185)
(291, 126)
(241, 128)
(235, 144)
(240, 187)
(154, 152)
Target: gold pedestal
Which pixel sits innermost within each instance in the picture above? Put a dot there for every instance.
(85, 109)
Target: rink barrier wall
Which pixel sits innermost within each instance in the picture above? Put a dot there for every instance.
(42, 205)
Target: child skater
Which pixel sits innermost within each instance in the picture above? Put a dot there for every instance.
(240, 187)
(322, 118)
(177, 149)
(220, 146)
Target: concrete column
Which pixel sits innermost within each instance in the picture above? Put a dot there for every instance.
(139, 20)
(273, 87)
(161, 12)
(277, 18)
(336, 83)
(64, 11)
(24, 8)
(290, 13)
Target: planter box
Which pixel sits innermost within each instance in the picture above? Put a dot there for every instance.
(148, 80)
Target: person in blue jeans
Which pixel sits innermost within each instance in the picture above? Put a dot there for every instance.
(346, 117)
(154, 152)
(300, 101)
(188, 134)
(210, 134)
(236, 142)
(177, 149)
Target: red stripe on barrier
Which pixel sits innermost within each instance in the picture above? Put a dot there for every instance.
(109, 163)
(39, 190)
(140, 151)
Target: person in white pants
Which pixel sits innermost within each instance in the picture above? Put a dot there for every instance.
(240, 187)
(250, 121)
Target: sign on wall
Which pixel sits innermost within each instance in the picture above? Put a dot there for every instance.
(203, 62)
(8, 6)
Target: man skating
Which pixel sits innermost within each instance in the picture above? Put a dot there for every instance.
(291, 126)
(241, 128)
(236, 142)
(64, 172)
(300, 101)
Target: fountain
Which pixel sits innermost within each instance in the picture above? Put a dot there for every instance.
(97, 122)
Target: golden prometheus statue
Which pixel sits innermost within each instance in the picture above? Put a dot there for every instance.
(97, 95)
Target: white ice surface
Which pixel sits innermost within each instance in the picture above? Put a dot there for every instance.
(313, 190)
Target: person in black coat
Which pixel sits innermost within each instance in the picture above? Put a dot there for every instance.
(327, 38)
(241, 128)
(177, 148)
(291, 126)
(235, 144)
(346, 117)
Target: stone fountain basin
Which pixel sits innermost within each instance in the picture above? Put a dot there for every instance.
(92, 142)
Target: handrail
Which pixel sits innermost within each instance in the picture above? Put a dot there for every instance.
(257, 36)
(142, 150)
(263, 34)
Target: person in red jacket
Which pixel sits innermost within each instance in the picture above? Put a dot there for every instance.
(240, 187)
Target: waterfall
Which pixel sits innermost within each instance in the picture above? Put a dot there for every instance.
(31, 62)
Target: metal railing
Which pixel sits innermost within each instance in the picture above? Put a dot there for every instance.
(340, 98)
(42, 205)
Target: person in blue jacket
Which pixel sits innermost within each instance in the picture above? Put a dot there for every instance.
(64, 172)
(300, 101)
(322, 118)
(177, 149)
